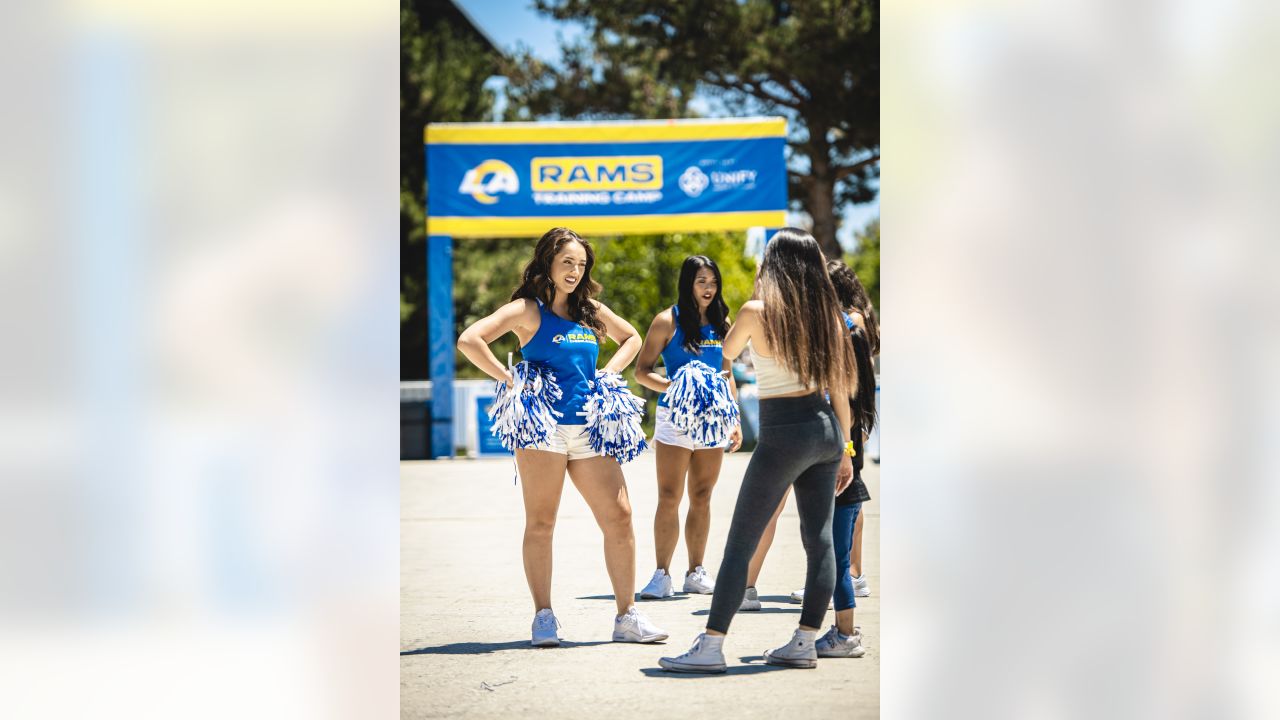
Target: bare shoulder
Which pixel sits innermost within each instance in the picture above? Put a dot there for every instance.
(523, 308)
(663, 321)
(751, 308)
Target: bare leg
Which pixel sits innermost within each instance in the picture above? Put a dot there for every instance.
(757, 560)
(542, 473)
(602, 485)
(844, 621)
(855, 557)
(704, 470)
(673, 463)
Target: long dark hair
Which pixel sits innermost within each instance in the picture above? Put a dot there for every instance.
(689, 317)
(864, 400)
(803, 322)
(536, 281)
(853, 296)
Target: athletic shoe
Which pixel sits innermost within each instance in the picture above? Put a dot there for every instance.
(659, 587)
(636, 628)
(799, 653)
(860, 588)
(798, 597)
(706, 656)
(544, 629)
(699, 582)
(835, 645)
(750, 601)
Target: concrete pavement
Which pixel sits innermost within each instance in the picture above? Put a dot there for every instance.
(465, 610)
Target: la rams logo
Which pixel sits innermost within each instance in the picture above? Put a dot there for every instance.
(557, 339)
(488, 178)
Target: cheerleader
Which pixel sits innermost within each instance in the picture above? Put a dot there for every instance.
(691, 330)
(798, 343)
(560, 327)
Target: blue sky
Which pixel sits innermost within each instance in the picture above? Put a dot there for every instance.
(512, 22)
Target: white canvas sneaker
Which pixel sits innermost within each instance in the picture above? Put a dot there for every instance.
(835, 645)
(750, 601)
(799, 653)
(706, 656)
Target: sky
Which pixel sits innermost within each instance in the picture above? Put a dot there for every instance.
(512, 22)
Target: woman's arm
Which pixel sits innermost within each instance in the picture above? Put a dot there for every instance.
(844, 475)
(660, 331)
(621, 332)
(735, 435)
(746, 326)
(474, 341)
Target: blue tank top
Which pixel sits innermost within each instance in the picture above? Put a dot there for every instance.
(848, 320)
(675, 355)
(571, 351)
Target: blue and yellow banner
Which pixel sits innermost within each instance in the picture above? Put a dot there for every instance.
(519, 179)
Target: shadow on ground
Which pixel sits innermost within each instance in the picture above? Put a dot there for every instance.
(754, 665)
(480, 648)
(678, 596)
(761, 611)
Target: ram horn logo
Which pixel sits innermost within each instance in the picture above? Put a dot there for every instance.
(488, 178)
(693, 181)
(557, 339)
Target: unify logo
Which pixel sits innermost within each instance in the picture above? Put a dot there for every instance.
(693, 181)
(488, 178)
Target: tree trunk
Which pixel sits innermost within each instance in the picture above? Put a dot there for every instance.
(821, 202)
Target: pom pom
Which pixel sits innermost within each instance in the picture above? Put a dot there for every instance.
(523, 415)
(701, 404)
(613, 418)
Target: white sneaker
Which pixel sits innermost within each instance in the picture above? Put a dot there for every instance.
(699, 582)
(799, 653)
(706, 656)
(833, 644)
(544, 629)
(659, 587)
(860, 588)
(636, 628)
(798, 597)
(750, 601)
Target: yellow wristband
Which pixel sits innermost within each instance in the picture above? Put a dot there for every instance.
(848, 449)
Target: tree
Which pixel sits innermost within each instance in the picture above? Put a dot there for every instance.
(865, 261)
(443, 69)
(638, 272)
(816, 62)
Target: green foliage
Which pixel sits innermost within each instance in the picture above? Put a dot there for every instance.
(442, 73)
(816, 62)
(638, 272)
(865, 261)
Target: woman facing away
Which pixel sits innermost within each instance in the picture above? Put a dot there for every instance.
(797, 334)
(559, 325)
(859, 314)
(692, 329)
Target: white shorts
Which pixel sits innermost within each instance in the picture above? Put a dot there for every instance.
(571, 440)
(667, 434)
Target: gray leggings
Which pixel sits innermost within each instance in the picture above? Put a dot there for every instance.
(800, 446)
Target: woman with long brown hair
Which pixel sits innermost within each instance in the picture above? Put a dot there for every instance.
(560, 327)
(797, 336)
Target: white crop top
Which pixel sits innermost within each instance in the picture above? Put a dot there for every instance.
(773, 379)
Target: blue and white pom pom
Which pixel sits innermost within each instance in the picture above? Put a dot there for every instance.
(524, 415)
(701, 404)
(613, 418)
